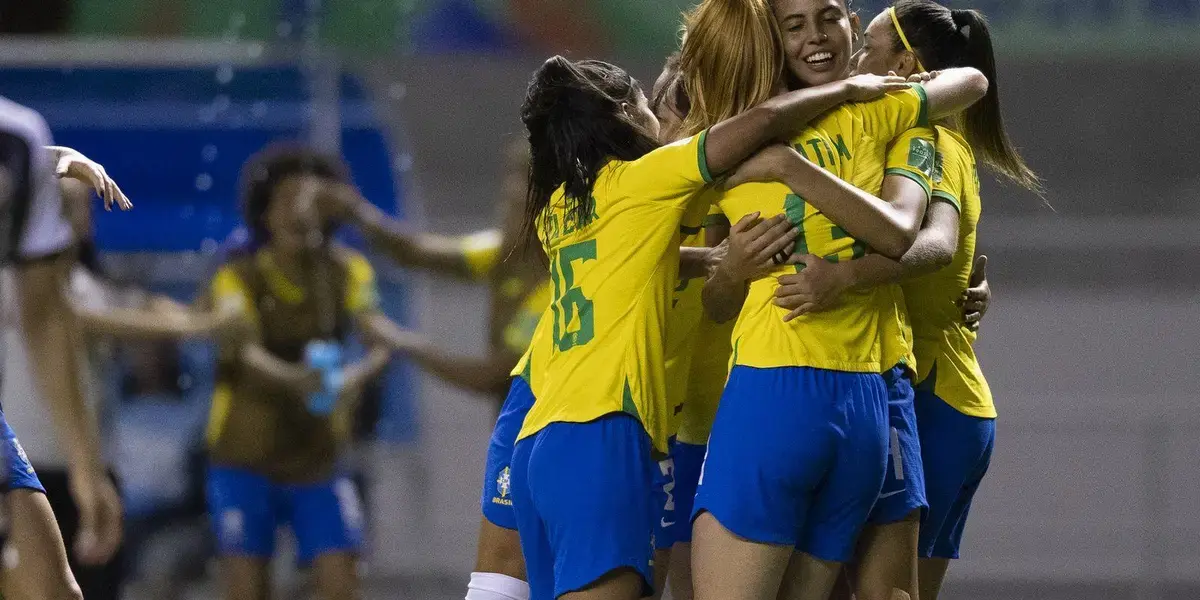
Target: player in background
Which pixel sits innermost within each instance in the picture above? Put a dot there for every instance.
(955, 413)
(834, 493)
(300, 295)
(606, 202)
(37, 241)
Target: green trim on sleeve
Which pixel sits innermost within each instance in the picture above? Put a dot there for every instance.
(689, 230)
(909, 174)
(702, 157)
(923, 114)
(947, 197)
(714, 220)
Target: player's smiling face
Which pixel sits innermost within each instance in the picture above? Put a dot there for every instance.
(817, 39)
(292, 219)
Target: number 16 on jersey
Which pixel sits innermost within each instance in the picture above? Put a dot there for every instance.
(574, 323)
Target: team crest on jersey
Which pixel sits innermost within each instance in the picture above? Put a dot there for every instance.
(921, 156)
(937, 168)
(24, 457)
(503, 487)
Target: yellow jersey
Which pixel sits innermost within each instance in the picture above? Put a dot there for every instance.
(913, 150)
(944, 346)
(683, 319)
(613, 275)
(256, 425)
(852, 142)
(708, 352)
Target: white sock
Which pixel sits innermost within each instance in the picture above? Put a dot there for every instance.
(494, 586)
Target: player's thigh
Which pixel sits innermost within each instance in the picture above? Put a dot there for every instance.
(42, 569)
(728, 567)
(887, 559)
(245, 578)
(499, 551)
(620, 584)
(809, 578)
(336, 576)
(680, 577)
(931, 572)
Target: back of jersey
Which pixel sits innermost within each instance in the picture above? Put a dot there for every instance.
(613, 269)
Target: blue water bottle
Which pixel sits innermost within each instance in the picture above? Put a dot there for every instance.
(325, 357)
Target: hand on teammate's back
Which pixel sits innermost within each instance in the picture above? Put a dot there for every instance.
(100, 516)
(978, 297)
(754, 244)
(863, 88)
(816, 288)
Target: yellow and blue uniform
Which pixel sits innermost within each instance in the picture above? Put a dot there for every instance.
(811, 389)
(953, 401)
(903, 489)
(583, 467)
(518, 334)
(259, 476)
(674, 488)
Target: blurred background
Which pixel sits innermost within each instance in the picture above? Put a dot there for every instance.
(1089, 345)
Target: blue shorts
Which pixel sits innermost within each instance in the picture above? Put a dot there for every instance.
(796, 457)
(496, 500)
(689, 458)
(19, 474)
(904, 482)
(245, 509)
(583, 497)
(956, 450)
(666, 527)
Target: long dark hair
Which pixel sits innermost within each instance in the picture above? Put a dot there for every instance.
(944, 38)
(273, 165)
(576, 123)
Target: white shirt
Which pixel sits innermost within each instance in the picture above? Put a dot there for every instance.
(24, 408)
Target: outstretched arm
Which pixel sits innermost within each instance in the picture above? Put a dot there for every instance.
(464, 258)
(489, 375)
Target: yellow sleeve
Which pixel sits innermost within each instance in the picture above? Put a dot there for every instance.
(482, 252)
(895, 113)
(912, 155)
(952, 170)
(362, 295)
(228, 292)
(668, 173)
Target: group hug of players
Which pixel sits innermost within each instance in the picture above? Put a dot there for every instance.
(741, 311)
(755, 376)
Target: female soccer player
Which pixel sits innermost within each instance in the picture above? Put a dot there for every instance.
(279, 416)
(817, 32)
(954, 409)
(606, 203)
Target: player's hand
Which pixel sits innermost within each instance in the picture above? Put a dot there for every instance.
(340, 202)
(100, 526)
(817, 288)
(756, 246)
(768, 164)
(72, 164)
(861, 88)
(716, 254)
(924, 77)
(978, 297)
